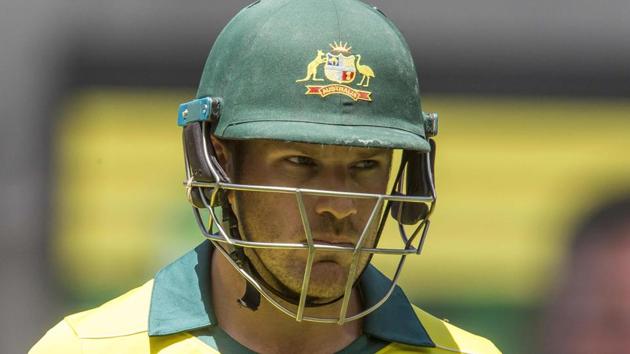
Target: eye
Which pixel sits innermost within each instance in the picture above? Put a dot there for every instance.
(302, 161)
(365, 164)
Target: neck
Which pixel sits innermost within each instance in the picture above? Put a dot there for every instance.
(268, 330)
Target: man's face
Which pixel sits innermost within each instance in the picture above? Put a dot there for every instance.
(275, 217)
(592, 313)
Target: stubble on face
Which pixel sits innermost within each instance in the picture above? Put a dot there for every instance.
(275, 217)
(266, 219)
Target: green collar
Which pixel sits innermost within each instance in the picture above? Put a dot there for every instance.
(181, 302)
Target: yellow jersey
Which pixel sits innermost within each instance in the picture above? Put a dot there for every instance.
(171, 314)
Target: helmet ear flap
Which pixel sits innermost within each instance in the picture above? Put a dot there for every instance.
(195, 139)
(419, 171)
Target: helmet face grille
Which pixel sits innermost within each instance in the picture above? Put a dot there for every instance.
(207, 184)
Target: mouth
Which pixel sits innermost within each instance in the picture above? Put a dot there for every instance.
(340, 243)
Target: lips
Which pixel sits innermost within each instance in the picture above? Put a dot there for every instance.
(340, 243)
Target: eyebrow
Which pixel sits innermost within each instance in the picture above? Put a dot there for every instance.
(365, 153)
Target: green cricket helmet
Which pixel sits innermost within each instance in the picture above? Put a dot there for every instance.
(325, 72)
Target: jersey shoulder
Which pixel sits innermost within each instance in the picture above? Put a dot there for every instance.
(118, 326)
(58, 340)
(447, 338)
(121, 322)
(123, 317)
(451, 339)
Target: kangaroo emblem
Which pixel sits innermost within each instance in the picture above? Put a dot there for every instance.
(339, 73)
(311, 70)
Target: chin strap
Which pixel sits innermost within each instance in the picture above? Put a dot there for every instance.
(251, 297)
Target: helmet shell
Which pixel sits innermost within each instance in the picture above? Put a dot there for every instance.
(328, 72)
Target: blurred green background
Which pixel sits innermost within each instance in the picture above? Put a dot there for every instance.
(513, 175)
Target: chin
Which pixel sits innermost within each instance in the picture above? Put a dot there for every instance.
(328, 280)
(325, 295)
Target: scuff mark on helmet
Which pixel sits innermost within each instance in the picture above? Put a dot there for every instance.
(369, 141)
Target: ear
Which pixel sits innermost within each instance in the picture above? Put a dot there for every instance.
(224, 155)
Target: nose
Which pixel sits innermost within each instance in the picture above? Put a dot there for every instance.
(339, 207)
(336, 178)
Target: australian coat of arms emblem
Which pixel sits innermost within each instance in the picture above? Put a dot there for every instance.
(341, 67)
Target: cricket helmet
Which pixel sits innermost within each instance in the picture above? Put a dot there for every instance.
(324, 72)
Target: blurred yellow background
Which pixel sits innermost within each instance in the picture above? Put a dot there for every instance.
(512, 174)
